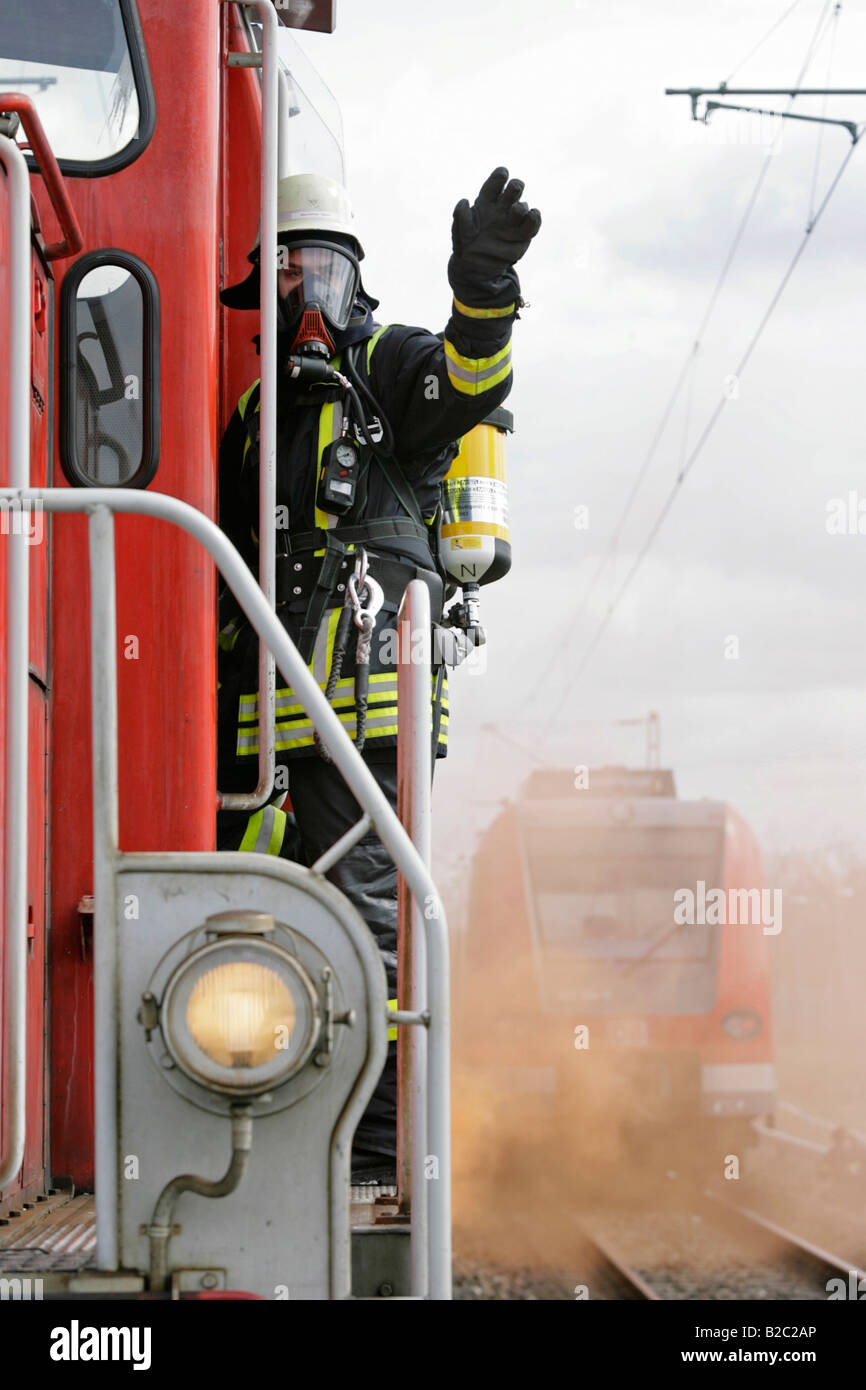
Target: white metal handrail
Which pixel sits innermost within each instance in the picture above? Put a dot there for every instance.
(13, 1056)
(414, 773)
(434, 1178)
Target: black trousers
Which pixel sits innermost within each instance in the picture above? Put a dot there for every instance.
(324, 809)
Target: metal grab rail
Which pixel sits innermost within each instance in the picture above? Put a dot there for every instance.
(50, 171)
(250, 801)
(14, 1024)
(433, 1179)
(414, 774)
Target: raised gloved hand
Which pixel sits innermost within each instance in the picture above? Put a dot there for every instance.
(488, 238)
(496, 230)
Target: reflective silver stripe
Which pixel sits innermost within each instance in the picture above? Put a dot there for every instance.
(380, 689)
(288, 734)
(266, 830)
(464, 373)
(348, 722)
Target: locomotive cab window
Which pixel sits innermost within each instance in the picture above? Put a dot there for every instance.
(84, 67)
(110, 377)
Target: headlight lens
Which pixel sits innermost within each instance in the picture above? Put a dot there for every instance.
(240, 1015)
(237, 1011)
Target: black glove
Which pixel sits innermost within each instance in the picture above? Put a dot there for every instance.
(489, 237)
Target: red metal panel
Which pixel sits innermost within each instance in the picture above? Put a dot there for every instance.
(241, 123)
(40, 407)
(744, 957)
(162, 208)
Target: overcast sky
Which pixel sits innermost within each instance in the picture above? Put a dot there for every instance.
(640, 206)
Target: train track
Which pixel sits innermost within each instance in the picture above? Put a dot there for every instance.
(610, 1277)
(711, 1249)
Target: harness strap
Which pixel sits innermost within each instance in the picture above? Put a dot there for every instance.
(381, 528)
(390, 467)
(335, 549)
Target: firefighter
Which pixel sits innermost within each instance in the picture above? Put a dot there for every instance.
(358, 475)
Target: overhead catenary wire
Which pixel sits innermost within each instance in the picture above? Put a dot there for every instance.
(683, 376)
(820, 141)
(689, 361)
(705, 434)
(760, 44)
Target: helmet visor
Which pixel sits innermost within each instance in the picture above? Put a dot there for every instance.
(318, 274)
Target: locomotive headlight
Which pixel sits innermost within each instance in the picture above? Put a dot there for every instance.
(240, 1015)
(742, 1024)
(236, 1010)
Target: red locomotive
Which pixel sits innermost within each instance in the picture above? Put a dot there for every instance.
(166, 1006)
(620, 935)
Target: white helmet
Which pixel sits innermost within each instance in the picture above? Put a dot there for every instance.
(312, 203)
(307, 205)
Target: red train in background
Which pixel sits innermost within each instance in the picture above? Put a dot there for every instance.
(611, 967)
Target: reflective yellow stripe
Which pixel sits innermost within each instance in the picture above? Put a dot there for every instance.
(254, 825)
(244, 400)
(270, 822)
(294, 728)
(242, 409)
(483, 313)
(382, 685)
(372, 343)
(330, 424)
(479, 528)
(229, 635)
(474, 375)
(392, 1032)
(299, 733)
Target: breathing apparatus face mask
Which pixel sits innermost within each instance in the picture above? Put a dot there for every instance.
(317, 283)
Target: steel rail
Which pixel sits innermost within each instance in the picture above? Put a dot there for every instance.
(13, 1057)
(251, 801)
(615, 1272)
(359, 779)
(751, 1222)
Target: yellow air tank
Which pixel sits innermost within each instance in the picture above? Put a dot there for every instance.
(474, 540)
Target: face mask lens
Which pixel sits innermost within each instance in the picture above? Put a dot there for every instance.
(318, 275)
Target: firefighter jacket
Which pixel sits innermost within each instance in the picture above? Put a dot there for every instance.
(432, 389)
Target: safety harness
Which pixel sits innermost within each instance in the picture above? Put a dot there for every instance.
(312, 563)
(334, 544)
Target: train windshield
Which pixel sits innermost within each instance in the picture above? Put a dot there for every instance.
(311, 135)
(73, 60)
(604, 914)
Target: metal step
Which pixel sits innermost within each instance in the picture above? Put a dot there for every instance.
(61, 1235)
(56, 1238)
